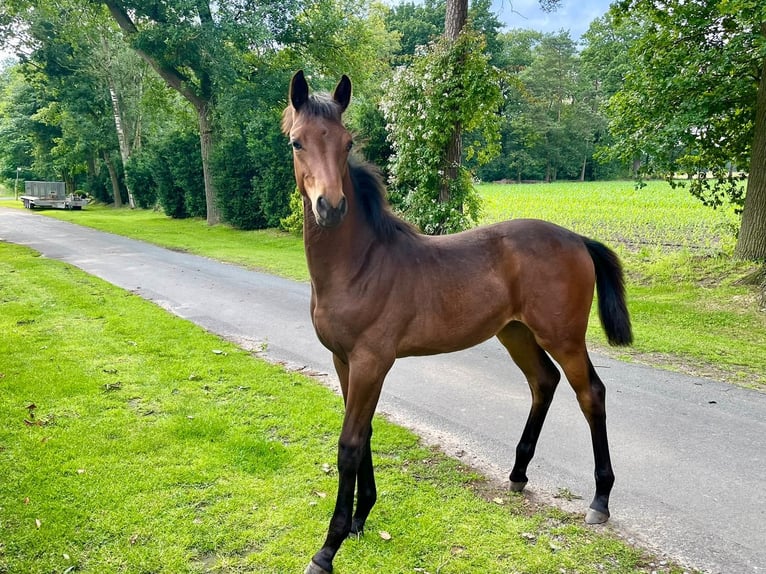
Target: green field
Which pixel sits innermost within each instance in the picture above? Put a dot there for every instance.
(689, 309)
(132, 441)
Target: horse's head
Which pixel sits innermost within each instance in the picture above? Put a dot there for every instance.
(321, 145)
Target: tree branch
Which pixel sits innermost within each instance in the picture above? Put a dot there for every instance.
(171, 75)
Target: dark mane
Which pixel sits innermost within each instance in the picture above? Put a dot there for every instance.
(370, 193)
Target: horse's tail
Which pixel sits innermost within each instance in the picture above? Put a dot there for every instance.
(610, 285)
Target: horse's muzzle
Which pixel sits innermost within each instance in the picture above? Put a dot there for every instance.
(327, 215)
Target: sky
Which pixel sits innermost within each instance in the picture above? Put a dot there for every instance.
(572, 15)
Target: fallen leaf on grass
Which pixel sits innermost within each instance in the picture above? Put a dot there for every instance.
(38, 523)
(385, 535)
(499, 501)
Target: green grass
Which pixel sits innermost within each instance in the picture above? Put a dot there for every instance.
(688, 310)
(133, 441)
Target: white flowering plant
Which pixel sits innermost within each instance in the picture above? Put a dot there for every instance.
(447, 84)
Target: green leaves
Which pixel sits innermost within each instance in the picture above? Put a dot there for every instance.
(688, 97)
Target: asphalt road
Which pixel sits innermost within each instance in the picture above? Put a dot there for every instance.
(689, 453)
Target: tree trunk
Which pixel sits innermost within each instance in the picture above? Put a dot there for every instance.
(115, 181)
(454, 20)
(582, 170)
(206, 146)
(751, 243)
(635, 166)
(122, 139)
(451, 163)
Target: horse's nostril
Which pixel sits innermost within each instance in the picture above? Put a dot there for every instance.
(322, 204)
(343, 205)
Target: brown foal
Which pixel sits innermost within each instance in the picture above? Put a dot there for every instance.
(380, 290)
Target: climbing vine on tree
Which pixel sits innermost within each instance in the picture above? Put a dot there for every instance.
(447, 84)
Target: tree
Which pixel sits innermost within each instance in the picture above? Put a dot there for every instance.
(694, 101)
(185, 46)
(74, 49)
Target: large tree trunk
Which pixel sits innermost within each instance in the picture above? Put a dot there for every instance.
(206, 147)
(751, 243)
(454, 20)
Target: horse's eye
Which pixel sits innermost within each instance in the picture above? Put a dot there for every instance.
(349, 145)
(296, 144)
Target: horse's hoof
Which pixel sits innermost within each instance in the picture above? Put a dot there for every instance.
(517, 486)
(312, 568)
(594, 516)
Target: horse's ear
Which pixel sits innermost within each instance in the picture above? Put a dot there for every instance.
(342, 93)
(299, 90)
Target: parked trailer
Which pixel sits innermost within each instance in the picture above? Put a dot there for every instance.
(50, 194)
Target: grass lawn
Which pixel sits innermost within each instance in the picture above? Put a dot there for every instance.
(688, 309)
(133, 441)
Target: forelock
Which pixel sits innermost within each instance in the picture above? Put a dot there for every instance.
(318, 105)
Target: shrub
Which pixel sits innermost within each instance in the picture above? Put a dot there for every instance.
(254, 174)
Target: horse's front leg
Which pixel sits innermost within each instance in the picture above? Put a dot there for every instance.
(366, 492)
(365, 380)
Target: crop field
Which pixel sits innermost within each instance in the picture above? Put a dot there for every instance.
(689, 306)
(615, 212)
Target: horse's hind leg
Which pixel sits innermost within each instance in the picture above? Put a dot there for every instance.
(591, 394)
(543, 377)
